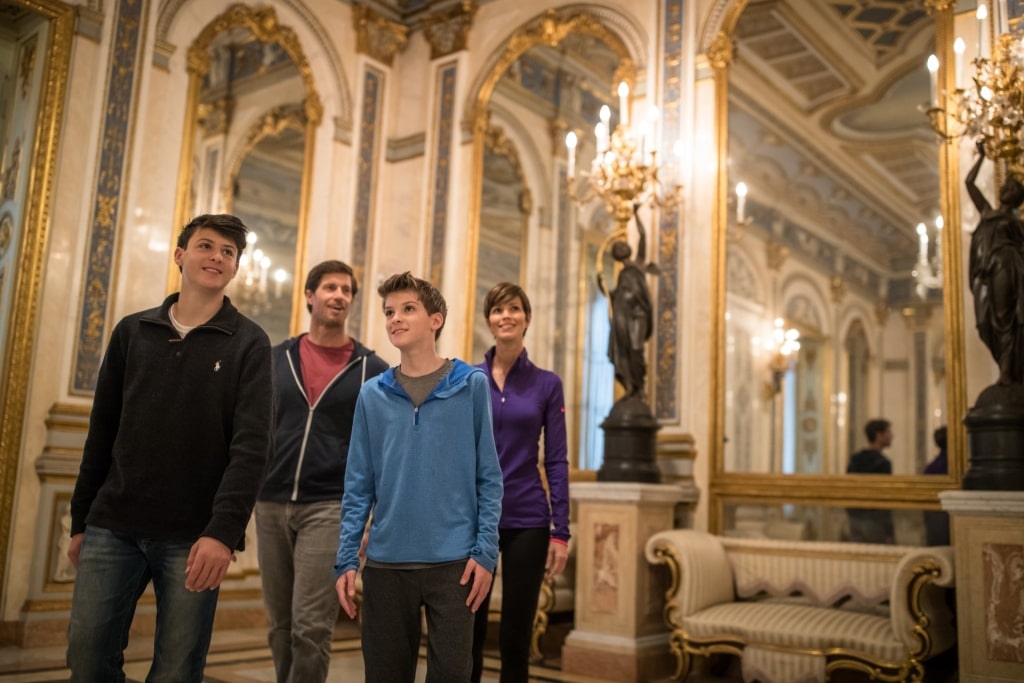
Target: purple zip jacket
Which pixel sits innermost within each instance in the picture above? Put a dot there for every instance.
(531, 403)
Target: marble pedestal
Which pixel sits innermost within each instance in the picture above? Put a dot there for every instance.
(988, 533)
(618, 632)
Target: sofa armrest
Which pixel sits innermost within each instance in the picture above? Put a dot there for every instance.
(919, 608)
(700, 571)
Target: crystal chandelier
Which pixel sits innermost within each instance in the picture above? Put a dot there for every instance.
(251, 291)
(625, 171)
(782, 344)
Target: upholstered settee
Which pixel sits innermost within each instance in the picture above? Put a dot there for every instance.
(557, 597)
(797, 611)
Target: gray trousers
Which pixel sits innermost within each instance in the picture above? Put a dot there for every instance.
(391, 624)
(297, 547)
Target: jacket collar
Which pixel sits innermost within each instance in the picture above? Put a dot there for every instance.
(225, 320)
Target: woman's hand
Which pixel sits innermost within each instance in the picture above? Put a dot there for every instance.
(558, 555)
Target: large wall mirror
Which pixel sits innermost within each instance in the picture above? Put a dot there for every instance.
(553, 75)
(248, 151)
(833, 301)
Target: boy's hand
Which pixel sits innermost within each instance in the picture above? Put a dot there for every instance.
(207, 564)
(346, 587)
(481, 584)
(75, 548)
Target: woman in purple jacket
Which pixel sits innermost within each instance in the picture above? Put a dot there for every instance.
(533, 534)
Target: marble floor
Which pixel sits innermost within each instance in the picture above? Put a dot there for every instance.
(236, 656)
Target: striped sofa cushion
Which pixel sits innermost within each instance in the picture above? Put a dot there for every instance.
(797, 626)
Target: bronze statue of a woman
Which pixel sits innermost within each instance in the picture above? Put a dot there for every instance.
(996, 273)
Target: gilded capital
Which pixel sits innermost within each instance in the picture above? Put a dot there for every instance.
(447, 31)
(775, 254)
(377, 36)
(721, 51)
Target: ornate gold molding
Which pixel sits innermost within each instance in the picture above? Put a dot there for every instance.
(274, 121)
(721, 52)
(378, 36)
(447, 31)
(27, 277)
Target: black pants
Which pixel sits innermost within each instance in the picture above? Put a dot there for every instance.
(524, 553)
(391, 623)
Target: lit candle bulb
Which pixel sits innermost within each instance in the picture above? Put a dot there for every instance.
(570, 143)
(264, 271)
(933, 79)
(922, 243)
(624, 103)
(279, 277)
(741, 201)
(982, 15)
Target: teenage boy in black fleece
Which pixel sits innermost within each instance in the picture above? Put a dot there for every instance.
(178, 439)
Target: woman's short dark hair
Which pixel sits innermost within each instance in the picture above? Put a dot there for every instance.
(504, 292)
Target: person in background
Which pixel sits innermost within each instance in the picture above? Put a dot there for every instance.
(872, 526)
(317, 377)
(178, 439)
(527, 403)
(936, 522)
(422, 461)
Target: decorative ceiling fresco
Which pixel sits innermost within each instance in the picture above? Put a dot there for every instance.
(825, 121)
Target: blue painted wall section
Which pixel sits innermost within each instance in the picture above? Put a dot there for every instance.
(442, 172)
(110, 184)
(369, 130)
(666, 343)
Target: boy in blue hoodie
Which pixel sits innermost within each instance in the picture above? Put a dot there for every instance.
(421, 460)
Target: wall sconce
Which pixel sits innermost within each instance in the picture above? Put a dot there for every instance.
(782, 344)
(927, 272)
(251, 289)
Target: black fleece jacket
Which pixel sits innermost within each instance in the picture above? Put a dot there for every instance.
(180, 429)
(311, 441)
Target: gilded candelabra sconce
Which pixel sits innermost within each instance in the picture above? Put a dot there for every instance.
(251, 288)
(927, 272)
(782, 344)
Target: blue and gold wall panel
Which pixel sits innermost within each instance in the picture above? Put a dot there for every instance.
(111, 184)
(666, 351)
(369, 134)
(442, 171)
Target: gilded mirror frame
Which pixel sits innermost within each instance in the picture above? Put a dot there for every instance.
(264, 26)
(548, 28)
(26, 280)
(889, 491)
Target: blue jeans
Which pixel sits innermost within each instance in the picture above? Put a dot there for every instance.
(113, 571)
(297, 545)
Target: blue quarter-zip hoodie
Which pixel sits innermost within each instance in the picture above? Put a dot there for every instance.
(430, 475)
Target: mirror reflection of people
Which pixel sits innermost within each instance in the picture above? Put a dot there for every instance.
(317, 377)
(869, 525)
(936, 522)
(632, 312)
(177, 443)
(996, 273)
(422, 460)
(533, 535)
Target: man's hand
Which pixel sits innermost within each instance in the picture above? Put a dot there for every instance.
(558, 555)
(346, 588)
(207, 564)
(481, 584)
(75, 549)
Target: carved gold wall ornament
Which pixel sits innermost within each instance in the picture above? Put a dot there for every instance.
(6, 233)
(776, 254)
(377, 36)
(837, 288)
(448, 31)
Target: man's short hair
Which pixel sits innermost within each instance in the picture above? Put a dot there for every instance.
(317, 272)
(939, 435)
(427, 293)
(225, 224)
(503, 293)
(875, 427)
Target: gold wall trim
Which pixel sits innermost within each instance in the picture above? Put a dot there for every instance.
(378, 36)
(27, 277)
